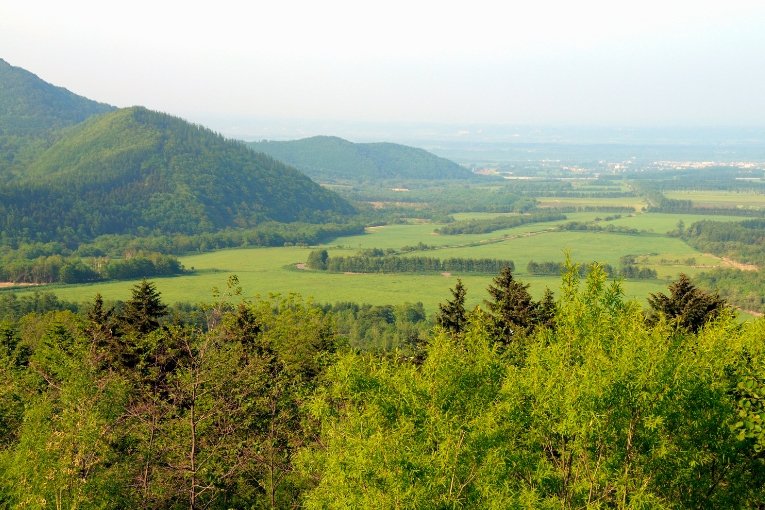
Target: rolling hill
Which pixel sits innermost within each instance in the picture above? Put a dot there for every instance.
(138, 171)
(329, 158)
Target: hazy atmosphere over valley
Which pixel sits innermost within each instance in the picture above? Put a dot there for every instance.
(292, 69)
(422, 255)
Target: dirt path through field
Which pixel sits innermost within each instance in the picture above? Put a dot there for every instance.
(738, 265)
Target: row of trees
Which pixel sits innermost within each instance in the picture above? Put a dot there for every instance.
(320, 260)
(56, 268)
(591, 227)
(629, 271)
(658, 202)
(120, 245)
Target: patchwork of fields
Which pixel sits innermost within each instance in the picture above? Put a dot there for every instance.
(273, 270)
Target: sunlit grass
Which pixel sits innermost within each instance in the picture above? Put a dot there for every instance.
(262, 271)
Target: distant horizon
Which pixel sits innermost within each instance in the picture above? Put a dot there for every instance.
(275, 129)
(466, 141)
(549, 63)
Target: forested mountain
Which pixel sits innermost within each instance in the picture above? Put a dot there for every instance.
(31, 110)
(139, 171)
(31, 106)
(332, 158)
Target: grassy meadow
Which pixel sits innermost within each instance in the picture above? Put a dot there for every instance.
(636, 203)
(720, 199)
(262, 271)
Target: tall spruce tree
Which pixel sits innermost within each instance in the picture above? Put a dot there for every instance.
(451, 315)
(144, 310)
(512, 309)
(687, 305)
(546, 310)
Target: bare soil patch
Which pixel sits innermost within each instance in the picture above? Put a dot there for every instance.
(738, 265)
(5, 285)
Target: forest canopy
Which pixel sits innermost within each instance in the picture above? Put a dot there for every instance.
(260, 403)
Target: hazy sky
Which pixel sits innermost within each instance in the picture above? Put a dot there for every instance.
(531, 62)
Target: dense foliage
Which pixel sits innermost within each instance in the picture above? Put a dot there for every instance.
(686, 306)
(260, 405)
(16, 268)
(741, 288)
(742, 240)
(602, 411)
(114, 410)
(334, 159)
(627, 271)
(319, 259)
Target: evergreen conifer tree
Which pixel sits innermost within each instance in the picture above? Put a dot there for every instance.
(451, 315)
(144, 309)
(512, 309)
(546, 309)
(687, 305)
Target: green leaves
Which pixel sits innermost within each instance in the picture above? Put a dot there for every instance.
(750, 405)
(602, 410)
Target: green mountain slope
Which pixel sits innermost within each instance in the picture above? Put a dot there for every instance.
(332, 158)
(31, 106)
(31, 110)
(135, 170)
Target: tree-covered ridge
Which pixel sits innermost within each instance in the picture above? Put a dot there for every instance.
(31, 106)
(384, 263)
(332, 158)
(139, 171)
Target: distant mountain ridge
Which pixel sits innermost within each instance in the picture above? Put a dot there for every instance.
(335, 159)
(31, 106)
(31, 112)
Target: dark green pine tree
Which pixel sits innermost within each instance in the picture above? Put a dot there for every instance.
(546, 310)
(687, 305)
(144, 310)
(100, 325)
(452, 315)
(512, 309)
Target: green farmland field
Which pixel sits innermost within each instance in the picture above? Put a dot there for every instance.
(262, 271)
(720, 199)
(636, 203)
